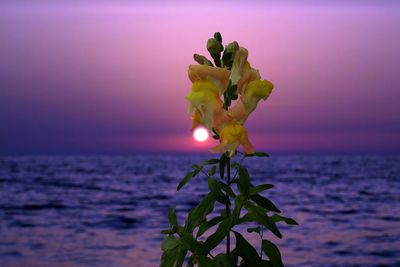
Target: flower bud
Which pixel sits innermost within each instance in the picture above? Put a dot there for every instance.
(202, 60)
(229, 54)
(214, 47)
(218, 37)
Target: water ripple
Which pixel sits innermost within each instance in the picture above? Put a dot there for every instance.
(108, 211)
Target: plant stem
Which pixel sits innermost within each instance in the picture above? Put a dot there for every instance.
(261, 236)
(237, 169)
(228, 177)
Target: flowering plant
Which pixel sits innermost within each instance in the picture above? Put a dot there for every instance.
(231, 80)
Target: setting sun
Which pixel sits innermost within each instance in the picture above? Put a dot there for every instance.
(200, 134)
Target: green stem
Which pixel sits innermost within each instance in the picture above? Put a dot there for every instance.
(228, 177)
(237, 169)
(261, 236)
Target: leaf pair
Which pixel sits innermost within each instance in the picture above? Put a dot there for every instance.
(250, 256)
(196, 170)
(173, 252)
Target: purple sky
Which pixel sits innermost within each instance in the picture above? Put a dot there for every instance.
(104, 77)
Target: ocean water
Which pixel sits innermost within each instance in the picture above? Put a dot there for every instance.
(109, 210)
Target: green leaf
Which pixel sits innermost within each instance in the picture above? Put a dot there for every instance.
(232, 90)
(186, 179)
(192, 260)
(247, 251)
(215, 134)
(234, 165)
(254, 230)
(171, 247)
(197, 168)
(199, 213)
(287, 220)
(236, 211)
(235, 256)
(248, 217)
(208, 224)
(172, 217)
(168, 232)
(223, 213)
(265, 203)
(266, 263)
(210, 161)
(259, 188)
(223, 199)
(190, 243)
(213, 185)
(168, 259)
(257, 154)
(227, 189)
(215, 189)
(272, 251)
(244, 182)
(205, 261)
(227, 100)
(219, 235)
(230, 94)
(222, 163)
(261, 154)
(225, 260)
(180, 259)
(261, 217)
(169, 243)
(212, 170)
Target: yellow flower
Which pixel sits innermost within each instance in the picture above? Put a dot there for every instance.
(218, 76)
(249, 74)
(233, 135)
(204, 100)
(253, 93)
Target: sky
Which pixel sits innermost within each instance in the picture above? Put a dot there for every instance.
(111, 77)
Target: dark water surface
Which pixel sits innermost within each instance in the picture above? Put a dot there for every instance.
(108, 211)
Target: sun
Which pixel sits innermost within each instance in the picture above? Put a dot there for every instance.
(200, 134)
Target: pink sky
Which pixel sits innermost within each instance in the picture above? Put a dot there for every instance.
(112, 77)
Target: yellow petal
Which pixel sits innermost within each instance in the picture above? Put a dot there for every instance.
(249, 74)
(254, 92)
(205, 100)
(233, 135)
(197, 120)
(218, 76)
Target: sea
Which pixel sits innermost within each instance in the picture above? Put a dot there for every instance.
(108, 211)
